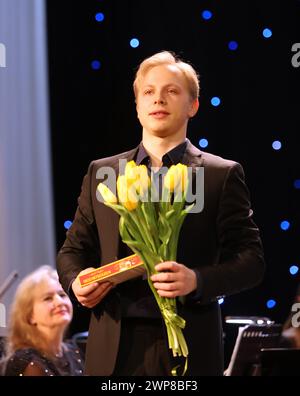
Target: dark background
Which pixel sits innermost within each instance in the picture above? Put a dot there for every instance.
(93, 112)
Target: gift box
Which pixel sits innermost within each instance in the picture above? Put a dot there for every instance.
(116, 272)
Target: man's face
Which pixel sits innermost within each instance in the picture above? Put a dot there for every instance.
(164, 105)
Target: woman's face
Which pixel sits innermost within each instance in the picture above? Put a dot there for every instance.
(52, 307)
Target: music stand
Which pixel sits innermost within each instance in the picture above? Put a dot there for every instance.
(280, 362)
(245, 359)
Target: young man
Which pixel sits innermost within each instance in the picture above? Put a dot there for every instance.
(219, 253)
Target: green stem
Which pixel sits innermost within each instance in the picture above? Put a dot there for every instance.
(146, 231)
(150, 216)
(139, 223)
(173, 242)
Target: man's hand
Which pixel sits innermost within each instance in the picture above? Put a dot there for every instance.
(89, 296)
(174, 279)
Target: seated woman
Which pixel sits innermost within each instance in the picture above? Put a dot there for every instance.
(40, 314)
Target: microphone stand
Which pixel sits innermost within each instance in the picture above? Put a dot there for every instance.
(8, 282)
(3, 288)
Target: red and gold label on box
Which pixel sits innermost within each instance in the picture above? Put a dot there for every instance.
(114, 270)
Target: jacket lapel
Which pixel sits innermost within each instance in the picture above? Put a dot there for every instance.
(192, 156)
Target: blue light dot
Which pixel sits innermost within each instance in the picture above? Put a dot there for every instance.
(215, 101)
(134, 43)
(206, 14)
(203, 143)
(99, 17)
(95, 64)
(233, 45)
(267, 33)
(67, 224)
(294, 269)
(271, 304)
(285, 225)
(297, 183)
(276, 145)
(220, 301)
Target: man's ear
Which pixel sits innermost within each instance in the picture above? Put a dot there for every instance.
(137, 109)
(194, 108)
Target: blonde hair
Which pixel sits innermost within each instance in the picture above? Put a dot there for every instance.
(168, 58)
(21, 332)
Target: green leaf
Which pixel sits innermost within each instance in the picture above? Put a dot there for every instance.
(164, 229)
(170, 213)
(188, 208)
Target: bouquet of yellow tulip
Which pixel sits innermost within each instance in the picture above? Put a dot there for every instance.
(151, 230)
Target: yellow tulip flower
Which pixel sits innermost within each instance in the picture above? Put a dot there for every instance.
(143, 181)
(131, 171)
(126, 193)
(176, 178)
(107, 195)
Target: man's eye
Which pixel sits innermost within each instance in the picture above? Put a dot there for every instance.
(48, 298)
(148, 92)
(173, 91)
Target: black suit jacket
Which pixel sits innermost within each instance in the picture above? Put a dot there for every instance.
(222, 243)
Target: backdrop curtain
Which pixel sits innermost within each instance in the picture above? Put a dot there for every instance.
(26, 208)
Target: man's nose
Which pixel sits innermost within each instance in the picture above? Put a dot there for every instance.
(159, 100)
